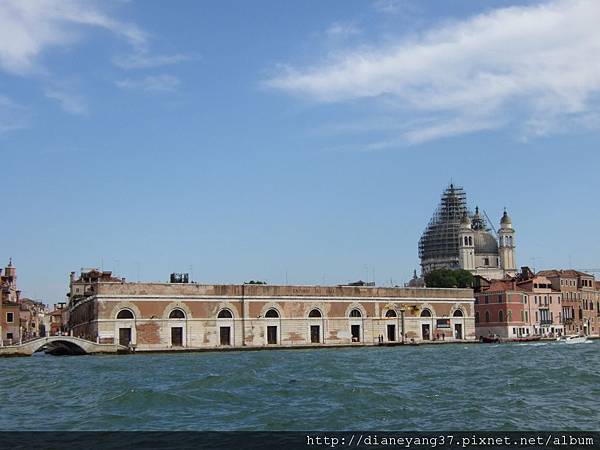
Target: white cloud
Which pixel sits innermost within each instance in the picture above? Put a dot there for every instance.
(151, 83)
(70, 102)
(143, 60)
(27, 28)
(535, 64)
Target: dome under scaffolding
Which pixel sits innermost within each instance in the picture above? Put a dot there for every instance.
(439, 242)
(455, 238)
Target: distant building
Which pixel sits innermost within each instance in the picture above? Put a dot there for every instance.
(21, 319)
(580, 300)
(162, 316)
(502, 308)
(33, 319)
(549, 303)
(458, 239)
(10, 318)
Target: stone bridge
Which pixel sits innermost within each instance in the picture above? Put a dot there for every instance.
(64, 344)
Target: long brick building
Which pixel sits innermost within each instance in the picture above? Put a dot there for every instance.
(160, 316)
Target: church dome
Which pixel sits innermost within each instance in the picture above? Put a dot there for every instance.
(485, 243)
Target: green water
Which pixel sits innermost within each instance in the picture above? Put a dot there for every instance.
(534, 386)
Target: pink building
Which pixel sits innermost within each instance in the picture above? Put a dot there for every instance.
(544, 306)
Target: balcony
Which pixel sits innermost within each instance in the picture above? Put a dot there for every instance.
(546, 322)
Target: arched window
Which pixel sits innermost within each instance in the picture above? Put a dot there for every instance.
(272, 314)
(466, 240)
(125, 314)
(477, 317)
(470, 240)
(315, 313)
(425, 313)
(177, 314)
(509, 315)
(355, 313)
(458, 313)
(391, 313)
(224, 314)
(500, 316)
(487, 316)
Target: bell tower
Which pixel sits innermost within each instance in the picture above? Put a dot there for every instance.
(466, 244)
(506, 236)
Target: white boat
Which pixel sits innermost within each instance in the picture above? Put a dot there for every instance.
(573, 339)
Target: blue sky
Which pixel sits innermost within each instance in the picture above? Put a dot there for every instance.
(250, 140)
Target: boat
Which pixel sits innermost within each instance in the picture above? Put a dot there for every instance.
(489, 339)
(572, 339)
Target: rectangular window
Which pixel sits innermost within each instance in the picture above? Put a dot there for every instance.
(10, 317)
(9, 335)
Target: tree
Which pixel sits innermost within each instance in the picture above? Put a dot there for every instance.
(448, 278)
(464, 278)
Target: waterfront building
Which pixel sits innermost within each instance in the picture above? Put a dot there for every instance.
(160, 316)
(59, 320)
(455, 238)
(502, 308)
(10, 318)
(554, 302)
(580, 298)
(543, 305)
(32, 318)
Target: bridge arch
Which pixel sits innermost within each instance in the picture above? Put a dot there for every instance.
(66, 345)
(60, 345)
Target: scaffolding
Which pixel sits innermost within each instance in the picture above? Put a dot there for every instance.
(438, 245)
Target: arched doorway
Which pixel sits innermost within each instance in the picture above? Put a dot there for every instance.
(390, 328)
(177, 325)
(356, 325)
(272, 331)
(315, 319)
(125, 327)
(458, 324)
(225, 327)
(426, 326)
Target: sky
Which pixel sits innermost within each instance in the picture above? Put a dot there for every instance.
(292, 142)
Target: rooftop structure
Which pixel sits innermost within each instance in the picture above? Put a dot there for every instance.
(457, 239)
(438, 246)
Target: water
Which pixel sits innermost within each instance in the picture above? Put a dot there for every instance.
(535, 386)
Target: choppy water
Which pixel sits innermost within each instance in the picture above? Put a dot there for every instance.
(531, 386)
